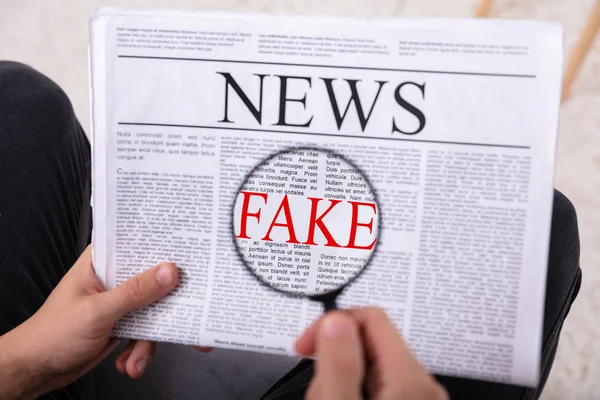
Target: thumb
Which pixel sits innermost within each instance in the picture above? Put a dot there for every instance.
(140, 290)
(340, 362)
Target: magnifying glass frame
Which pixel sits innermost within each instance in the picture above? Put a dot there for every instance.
(327, 298)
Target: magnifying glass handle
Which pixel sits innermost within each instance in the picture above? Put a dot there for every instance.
(330, 305)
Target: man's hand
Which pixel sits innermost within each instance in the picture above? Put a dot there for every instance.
(343, 340)
(70, 333)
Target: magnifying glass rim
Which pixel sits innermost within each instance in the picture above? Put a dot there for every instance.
(317, 149)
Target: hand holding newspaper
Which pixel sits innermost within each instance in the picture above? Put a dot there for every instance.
(454, 124)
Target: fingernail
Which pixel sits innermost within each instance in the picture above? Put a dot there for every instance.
(165, 275)
(141, 365)
(336, 325)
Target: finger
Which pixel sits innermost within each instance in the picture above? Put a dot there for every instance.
(306, 344)
(339, 367)
(139, 291)
(140, 357)
(383, 343)
(123, 356)
(203, 349)
(311, 392)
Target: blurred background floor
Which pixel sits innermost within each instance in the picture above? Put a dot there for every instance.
(51, 36)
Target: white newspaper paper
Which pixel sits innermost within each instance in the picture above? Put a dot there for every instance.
(454, 122)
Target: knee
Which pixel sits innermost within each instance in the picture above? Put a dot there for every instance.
(563, 257)
(563, 278)
(564, 237)
(35, 113)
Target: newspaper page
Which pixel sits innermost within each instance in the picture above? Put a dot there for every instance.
(454, 122)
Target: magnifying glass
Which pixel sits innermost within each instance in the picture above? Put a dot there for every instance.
(306, 223)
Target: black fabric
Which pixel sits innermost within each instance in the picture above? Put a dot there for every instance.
(45, 216)
(45, 224)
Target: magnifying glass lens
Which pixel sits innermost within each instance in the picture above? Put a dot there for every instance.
(306, 222)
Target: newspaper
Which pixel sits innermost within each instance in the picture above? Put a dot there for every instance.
(454, 122)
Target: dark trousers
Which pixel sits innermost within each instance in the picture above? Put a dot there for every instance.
(45, 224)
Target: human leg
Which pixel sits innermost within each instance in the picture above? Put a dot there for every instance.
(45, 215)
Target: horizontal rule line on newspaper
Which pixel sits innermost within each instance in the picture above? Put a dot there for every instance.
(335, 66)
(229, 128)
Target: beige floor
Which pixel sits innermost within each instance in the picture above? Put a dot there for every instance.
(51, 35)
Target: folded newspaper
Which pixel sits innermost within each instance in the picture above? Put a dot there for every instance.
(454, 122)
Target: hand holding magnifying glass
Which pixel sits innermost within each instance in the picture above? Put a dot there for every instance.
(342, 339)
